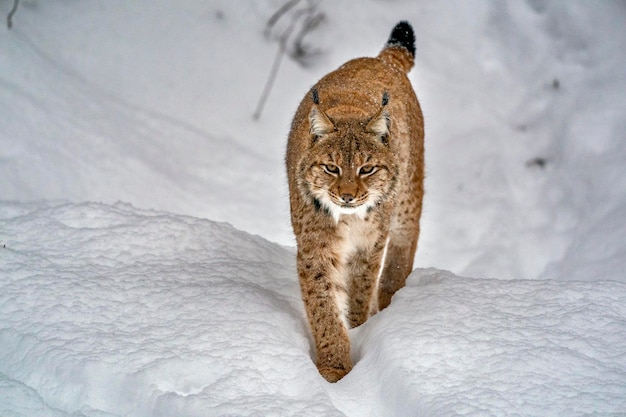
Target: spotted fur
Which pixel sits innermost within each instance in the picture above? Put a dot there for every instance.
(355, 167)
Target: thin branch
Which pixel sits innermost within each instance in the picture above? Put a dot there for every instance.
(269, 83)
(11, 13)
(278, 14)
(282, 47)
(311, 19)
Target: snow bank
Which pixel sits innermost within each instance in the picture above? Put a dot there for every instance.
(110, 310)
(150, 102)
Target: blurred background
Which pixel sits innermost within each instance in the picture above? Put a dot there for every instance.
(186, 109)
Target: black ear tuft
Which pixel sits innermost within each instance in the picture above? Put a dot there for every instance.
(402, 35)
(385, 98)
(315, 96)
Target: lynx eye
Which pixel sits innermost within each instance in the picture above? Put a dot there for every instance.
(367, 170)
(331, 169)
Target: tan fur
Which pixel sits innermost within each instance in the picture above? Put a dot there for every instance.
(332, 147)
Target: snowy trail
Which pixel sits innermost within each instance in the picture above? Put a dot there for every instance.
(152, 106)
(126, 138)
(114, 310)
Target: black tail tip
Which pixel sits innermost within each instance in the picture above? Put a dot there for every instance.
(402, 35)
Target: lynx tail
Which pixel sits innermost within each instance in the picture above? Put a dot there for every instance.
(402, 35)
(400, 48)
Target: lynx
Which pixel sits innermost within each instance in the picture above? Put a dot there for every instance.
(355, 165)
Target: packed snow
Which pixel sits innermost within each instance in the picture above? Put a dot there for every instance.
(146, 258)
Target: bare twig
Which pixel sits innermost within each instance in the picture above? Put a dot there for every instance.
(269, 83)
(11, 13)
(312, 18)
(278, 14)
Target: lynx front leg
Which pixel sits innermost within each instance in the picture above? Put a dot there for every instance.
(398, 266)
(363, 269)
(324, 299)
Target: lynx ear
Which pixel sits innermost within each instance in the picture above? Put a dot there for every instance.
(379, 125)
(319, 123)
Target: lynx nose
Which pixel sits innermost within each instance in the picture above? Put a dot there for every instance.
(347, 198)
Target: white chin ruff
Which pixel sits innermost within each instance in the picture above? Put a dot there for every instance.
(336, 211)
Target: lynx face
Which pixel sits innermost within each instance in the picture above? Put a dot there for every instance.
(355, 165)
(348, 168)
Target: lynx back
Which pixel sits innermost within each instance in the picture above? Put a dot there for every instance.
(355, 165)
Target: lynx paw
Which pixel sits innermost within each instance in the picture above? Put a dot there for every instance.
(333, 374)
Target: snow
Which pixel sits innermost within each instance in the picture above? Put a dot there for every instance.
(128, 150)
(114, 310)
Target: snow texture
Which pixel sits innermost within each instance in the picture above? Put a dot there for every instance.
(127, 151)
(112, 310)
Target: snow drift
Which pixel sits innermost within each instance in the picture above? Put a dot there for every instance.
(145, 308)
(112, 310)
(150, 103)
